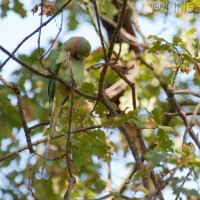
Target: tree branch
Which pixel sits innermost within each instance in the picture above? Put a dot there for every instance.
(21, 112)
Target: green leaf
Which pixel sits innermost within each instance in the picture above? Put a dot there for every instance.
(161, 47)
(4, 8)
(187, 192)
(188, 58)
(178, 60)
(156, 157)
(100, 110)
(18, 8)
(109, 8)
(73, 22)
(156, 38)
(164, 141)
(88, 88)
(85, 145)
(158, 115)
(177, 39)
(196, 47)
(166, 128)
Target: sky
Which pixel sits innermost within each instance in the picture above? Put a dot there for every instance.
(15, 29)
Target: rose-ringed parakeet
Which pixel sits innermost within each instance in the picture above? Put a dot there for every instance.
(68, 63)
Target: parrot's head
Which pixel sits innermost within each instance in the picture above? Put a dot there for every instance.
(79, 47)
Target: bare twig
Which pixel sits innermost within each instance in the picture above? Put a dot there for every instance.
(177, 114)
(23, 149)
(127, 179)
(68, 160)
(194, 116)
(99, 27)
(131, 84)
(191, 123)
(196, 94)
(29, 183)
(175, 76)
(188, 174)
(40, 30)
(39, 124)
(59, 31)
(162, 185)
(117, 29)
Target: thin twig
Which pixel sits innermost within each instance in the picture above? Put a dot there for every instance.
(131, 84)
(59, 31)
(68, 160)
(196, 94)
(175, 76)
(23, 149)
(39, 124)
(127, 179)
(181, 186)
(29, 183)
(40, 30)
(177, 114)
(72, 179)
(100, 32)
(191, 123)
(117, 29)
(162, 185)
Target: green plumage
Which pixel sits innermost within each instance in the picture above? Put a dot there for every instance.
(67, 62)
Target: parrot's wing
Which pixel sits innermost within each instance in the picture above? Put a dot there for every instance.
(63, 57)
(54, 68)
(52, 64)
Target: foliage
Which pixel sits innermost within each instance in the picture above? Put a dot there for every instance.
(138, 106)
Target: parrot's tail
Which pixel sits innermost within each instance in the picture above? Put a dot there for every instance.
(54, 119)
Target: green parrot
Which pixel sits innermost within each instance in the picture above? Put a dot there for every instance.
(68, 62)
